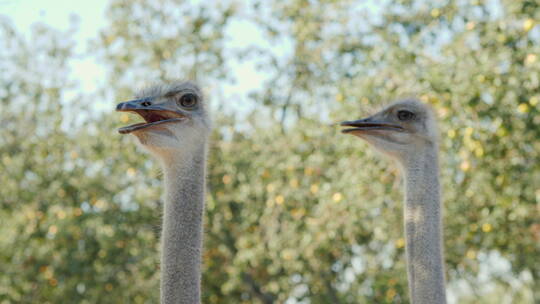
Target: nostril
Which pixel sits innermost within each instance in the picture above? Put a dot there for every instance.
(146, 103)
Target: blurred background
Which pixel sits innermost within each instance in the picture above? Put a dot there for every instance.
(296, 212)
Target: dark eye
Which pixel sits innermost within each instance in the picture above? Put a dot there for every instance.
(404, 115)
(188, 100)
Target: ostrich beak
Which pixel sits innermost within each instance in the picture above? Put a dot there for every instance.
(152, 114)
(368, 124)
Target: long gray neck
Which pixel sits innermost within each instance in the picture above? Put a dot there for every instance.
(183, 228)
(423, 228)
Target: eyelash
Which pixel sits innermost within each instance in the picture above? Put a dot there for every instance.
(171, 94)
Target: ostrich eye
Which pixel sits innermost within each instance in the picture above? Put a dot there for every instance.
(188, 100)
(404, 115)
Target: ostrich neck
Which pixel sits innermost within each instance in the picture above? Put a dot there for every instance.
(182, 227)
(422, 215)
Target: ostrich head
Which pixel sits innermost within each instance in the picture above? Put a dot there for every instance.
(399, 130)
(175, 115)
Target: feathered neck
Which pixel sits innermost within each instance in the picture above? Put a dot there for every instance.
(422, 216)
(183, 227)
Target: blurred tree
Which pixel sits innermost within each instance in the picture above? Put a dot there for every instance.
(290, 215)
(74, 225)
(168, 39)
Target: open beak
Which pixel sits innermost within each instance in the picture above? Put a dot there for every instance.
(368, 124)
(152, 114)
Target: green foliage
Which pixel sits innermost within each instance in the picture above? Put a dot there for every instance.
(295, 210)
